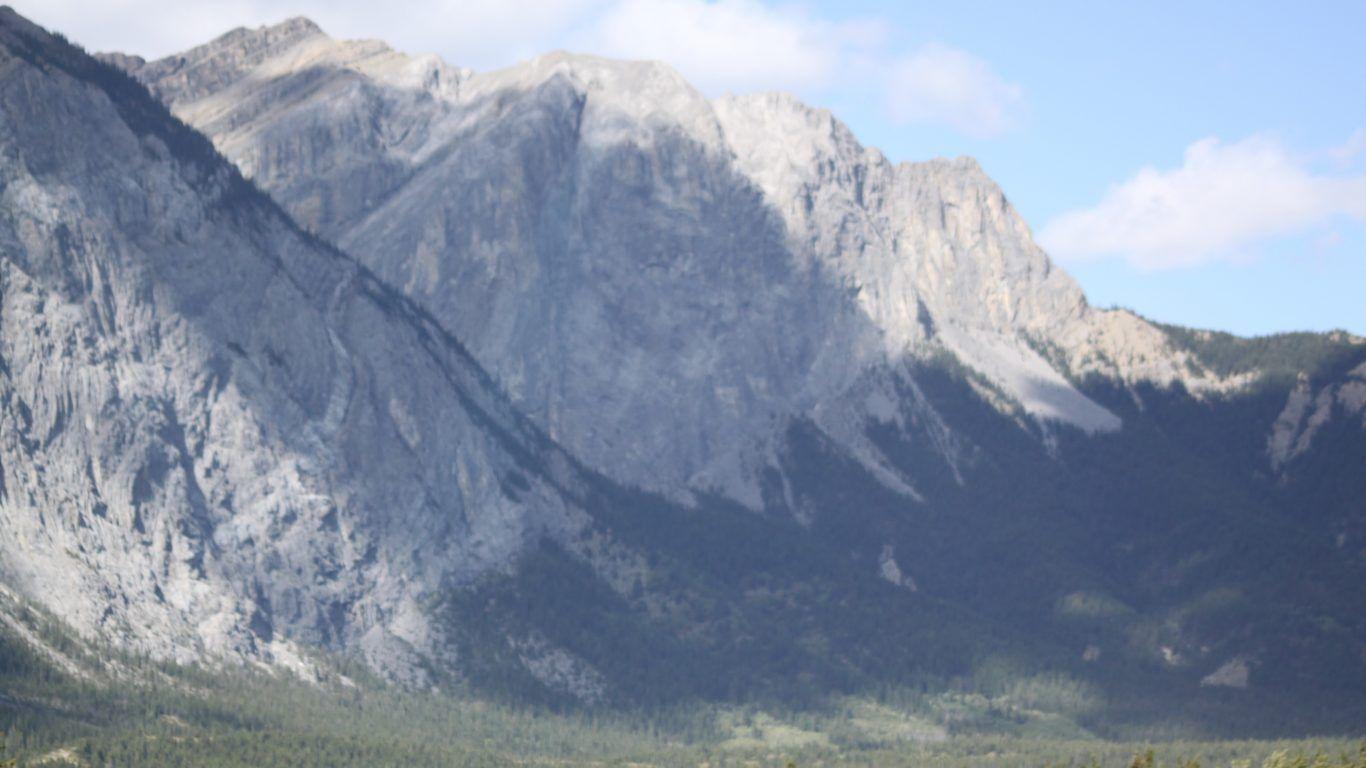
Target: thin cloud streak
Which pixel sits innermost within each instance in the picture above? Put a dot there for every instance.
(730, 45)
(939, 84)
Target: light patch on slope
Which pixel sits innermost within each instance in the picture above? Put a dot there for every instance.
(559, 669)
(61, 756)
(1306, 412)
(890, 570)
(759, 731)
(1027, 377)
(55, 657)
(1235, 673)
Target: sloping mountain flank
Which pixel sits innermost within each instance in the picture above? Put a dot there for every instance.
(226, 440)
(661, 281)
(221, 435)
(566, 384)
(732, 301)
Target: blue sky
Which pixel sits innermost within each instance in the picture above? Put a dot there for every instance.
(1202, 163)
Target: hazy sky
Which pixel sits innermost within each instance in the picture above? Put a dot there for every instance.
(1202, 163)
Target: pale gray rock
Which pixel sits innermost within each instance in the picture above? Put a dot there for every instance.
(938, 258)
(890, 570)
(575, 221)
(558, 669)
(219, 437)
(1234, 673)
(661, 281)
(1308, 408)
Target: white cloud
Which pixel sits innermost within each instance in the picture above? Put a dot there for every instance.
(1347, 152)
(1221, 201)
(745, 45)
(730, 45)
(939, 84)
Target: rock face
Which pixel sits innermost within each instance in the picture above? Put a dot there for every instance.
(660, 281)
(1309, 409)
(1232, 674)
(219, 435)
(935, 253)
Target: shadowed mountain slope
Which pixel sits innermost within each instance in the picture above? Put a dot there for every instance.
(830, 425)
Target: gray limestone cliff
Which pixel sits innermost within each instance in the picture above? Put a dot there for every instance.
(403, 406)
(220, 438)
(661, 281)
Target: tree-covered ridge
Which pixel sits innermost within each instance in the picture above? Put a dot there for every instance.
(1277, 357)
(108, 709)
(154, 715)
(3, 762)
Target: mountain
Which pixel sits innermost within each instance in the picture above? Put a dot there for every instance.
(222, 436)
(567, 384)
(228, 441)
(658, 280)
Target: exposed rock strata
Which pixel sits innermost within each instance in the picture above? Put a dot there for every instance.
(659, 280)
(219, 437)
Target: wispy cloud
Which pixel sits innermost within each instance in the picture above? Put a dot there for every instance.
(939, 84)
(1216, 206)
(732, 45)
(720, 45)
(745, 45)
(1347, 152)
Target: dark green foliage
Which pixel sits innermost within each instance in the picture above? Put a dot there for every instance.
(1277, 356)
(166, 716)
(1179, 521)
(1172, 527)
(729, 606)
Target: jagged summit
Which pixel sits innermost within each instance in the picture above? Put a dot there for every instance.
(11, 20)
(633, 96)
(202, 70)
(892, 441)
(221, 438)
(551, 182)
(265, 38)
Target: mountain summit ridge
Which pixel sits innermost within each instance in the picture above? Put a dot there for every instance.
(569, 384)
(224, 438)
(893, 263)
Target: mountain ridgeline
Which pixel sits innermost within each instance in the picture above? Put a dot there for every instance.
(566, 384)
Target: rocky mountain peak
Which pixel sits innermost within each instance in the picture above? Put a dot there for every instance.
(627, 100)
(901, 263)
(221, 436)
(636, 211)
(205, 69)
(246, 44)
(12, 22)
(783, 144)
